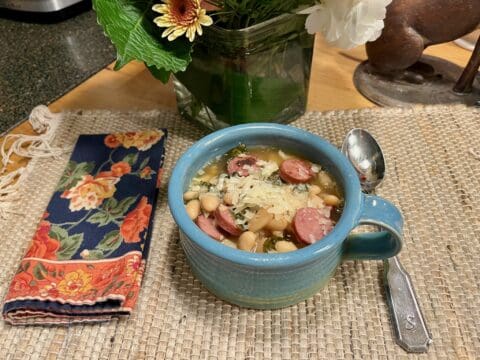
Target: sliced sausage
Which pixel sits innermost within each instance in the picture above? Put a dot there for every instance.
(310, 225)
(242, 165)
(226, 221)
(295, 171)
(208, 227)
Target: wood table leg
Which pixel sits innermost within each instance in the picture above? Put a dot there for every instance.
(465, 83)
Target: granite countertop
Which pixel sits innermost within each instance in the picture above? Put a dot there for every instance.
(41, 62)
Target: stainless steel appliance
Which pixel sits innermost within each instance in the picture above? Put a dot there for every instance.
(40, 6)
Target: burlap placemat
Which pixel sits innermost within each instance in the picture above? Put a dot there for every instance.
(431, 176)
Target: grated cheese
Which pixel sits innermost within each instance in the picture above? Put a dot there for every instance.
(249, 193)
(283, 200)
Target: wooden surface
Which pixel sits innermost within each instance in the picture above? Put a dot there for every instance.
(133, 88)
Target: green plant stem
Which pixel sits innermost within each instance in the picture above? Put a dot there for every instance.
(238, 14)
(108, 161)
(74, 223)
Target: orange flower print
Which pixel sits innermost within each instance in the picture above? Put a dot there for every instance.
(120, 168)
(135, 269)
(112, 141)
(146, 139)
(75, 283)
(49, 290)
(104, 174)
(104, 277)
(142, 140)
(134, 264)
(129, 139)
(21, 283)
(43, 246)
(90, 192)
(136, 221)
(145, 173)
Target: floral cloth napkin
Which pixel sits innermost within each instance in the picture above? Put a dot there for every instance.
(87, 256)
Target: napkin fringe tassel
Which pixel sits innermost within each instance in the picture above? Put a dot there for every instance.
(44, 123)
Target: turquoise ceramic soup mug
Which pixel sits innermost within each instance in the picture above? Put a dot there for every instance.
(268, 281)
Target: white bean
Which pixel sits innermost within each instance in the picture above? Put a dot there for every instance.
(259, 220)
(190, 195)
(330, 200)
(209, 202)
(277, 224)
(193, 209)
(325, 180)
(247, 241)
(278, 234)
(314, 190)
(285, 246)
(229, 243)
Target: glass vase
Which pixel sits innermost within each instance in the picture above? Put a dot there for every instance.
(257, 74)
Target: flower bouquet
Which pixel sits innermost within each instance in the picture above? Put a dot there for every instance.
(235, 61)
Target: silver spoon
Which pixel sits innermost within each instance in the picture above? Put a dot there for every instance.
(411, 332)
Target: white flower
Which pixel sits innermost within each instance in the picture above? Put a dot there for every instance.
(347, 23)
(85, 254)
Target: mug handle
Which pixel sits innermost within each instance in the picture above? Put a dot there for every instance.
(380, 244)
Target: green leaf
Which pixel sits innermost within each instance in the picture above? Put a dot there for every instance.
(129, 25)
(101, 218)
(58, 233)
(110, 242)
(73, 174)
(144, 162)
(26, 266)
(110, 203)
(39, 271)
(159, 74)
(123, 206)
(110, 286)
(95, 255)
(23, 267)
(131, 158)
(112, 210)
(69, 246)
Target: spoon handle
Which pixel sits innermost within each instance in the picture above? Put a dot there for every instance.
(411, 331)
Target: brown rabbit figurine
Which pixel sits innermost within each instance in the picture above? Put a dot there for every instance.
(413, 25)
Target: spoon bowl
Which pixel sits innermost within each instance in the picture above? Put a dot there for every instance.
(367, 158)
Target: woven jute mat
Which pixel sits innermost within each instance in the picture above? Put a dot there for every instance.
(432, 178)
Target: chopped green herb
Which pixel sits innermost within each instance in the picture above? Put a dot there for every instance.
(275, 178)
(269, 244)
(300, 188)
(240, 216)
(237, 150)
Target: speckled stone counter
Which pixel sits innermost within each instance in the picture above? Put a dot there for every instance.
(41, 62)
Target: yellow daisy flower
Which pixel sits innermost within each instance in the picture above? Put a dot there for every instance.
(181, 17)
